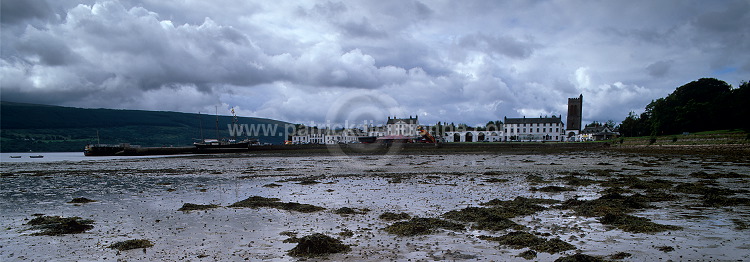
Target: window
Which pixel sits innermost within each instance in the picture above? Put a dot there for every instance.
(537, 129)
(524, 130)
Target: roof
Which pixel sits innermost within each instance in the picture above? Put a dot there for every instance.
(535, 120)
(598, 130)
(409, 120)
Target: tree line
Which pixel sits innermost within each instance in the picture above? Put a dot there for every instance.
(703, 105)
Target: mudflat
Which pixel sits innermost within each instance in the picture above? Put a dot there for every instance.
(633, 204)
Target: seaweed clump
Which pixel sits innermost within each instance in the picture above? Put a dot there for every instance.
(56, 225)
(192, 207)
(316, 245)
(258, 202)
(81, 200)
(520, 239)
(520, 206)
(421, 226)
(580, 258)
(394, 216)
(131, 244)
(635, 224)
(496, 216)
(613, 203)
(345, 211)
(528, 254)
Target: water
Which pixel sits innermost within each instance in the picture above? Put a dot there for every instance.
(62, 156)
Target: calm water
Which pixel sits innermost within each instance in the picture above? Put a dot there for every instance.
(60, 156)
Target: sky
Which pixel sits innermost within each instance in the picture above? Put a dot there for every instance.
(313, 62)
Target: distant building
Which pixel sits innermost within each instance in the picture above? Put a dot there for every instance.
(473, 135)
(327, 137)
(402, 126)
(598, 133)
(575, 116)
(534, 129)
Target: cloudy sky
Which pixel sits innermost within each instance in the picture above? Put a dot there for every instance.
(302, 61)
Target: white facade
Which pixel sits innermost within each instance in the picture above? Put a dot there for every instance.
(534, 129)
(402, 126)
(473, 136)
(328, 137)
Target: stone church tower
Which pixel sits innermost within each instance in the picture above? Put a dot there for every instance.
(575, 113)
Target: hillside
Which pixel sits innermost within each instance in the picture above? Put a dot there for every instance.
(40, 128)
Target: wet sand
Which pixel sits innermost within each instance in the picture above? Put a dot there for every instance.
(140, 198)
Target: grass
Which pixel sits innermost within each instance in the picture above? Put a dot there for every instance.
(131, 244)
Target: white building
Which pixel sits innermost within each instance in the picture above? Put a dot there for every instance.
(534, 129)
(402, 126)
(328, 137)
(473, 136)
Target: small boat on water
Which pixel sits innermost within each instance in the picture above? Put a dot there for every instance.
(36, 156)
(15, 156)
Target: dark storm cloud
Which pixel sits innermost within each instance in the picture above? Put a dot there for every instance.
(443, 60)
(17, 11)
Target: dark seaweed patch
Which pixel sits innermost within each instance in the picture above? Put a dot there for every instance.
(528, 254)
(421, 226)
(131, 244)
(520, 239)
(394, 216)
(81, 200)
(258, 202)
(580, 258)
(191, 207)
(517, 239)
(350, 211)
(635, 224)
(56, 225)
(607, 204)
(316, 245)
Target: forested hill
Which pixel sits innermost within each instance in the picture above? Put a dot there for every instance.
(54, 128)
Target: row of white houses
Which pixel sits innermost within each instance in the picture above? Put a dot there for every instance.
(514, 129)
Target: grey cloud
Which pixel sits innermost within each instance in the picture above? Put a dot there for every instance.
(659, 69)
(16, 11)
(501, 44)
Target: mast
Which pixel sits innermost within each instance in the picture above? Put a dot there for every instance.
(217, 123)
